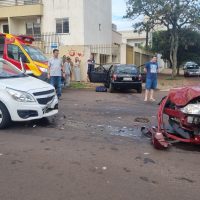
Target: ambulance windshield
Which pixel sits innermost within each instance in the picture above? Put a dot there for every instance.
(35, 53)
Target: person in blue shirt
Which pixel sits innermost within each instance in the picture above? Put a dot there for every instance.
(151, 69)
(91, 66)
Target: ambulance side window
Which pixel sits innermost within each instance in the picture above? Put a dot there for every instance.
(1, 50)
(14, 52)
(2, 43)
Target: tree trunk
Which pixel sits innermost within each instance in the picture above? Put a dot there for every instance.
(147, 37)
(178, 71)
(173, 52)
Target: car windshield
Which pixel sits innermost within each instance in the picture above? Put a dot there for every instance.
(7, 70)
(35, 53)
(193, 67)
(126, 69)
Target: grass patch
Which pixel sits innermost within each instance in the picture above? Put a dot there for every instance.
(173, 79)
(79, 85)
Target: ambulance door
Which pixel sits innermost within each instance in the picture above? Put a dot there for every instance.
(13, 53)
(2, 44)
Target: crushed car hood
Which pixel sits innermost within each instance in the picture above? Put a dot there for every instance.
(182, 96)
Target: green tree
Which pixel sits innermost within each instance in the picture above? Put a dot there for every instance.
(188, 50)
(173, 15)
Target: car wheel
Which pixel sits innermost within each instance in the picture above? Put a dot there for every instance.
(139, 89)
(4, 116)
(111, 88)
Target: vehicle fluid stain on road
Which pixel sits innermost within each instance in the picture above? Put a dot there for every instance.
(134, 133)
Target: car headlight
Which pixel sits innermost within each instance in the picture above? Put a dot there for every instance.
(42, 69)
(20, 96)
(191, 109)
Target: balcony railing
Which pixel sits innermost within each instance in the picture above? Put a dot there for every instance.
(6, 3)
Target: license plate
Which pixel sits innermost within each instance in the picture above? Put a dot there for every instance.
(127, 79)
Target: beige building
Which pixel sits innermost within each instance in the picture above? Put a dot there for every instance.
(132, 38)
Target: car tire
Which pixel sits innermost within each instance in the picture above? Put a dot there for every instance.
(139, 89)
(5, 119)
(111, 88)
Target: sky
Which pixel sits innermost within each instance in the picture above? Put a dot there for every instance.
(119, 10)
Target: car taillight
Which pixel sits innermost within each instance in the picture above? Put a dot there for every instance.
(114, 77)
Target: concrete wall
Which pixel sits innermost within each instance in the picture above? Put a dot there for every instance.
(71, 9)
(98, 22)
(17, 26)
(89, 21)
(83, 52)
(20, 11)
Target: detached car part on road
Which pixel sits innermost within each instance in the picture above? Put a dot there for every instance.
(24, 98)
(182, 107)
(118, 77)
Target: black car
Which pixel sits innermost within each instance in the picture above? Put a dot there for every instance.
(118, 77)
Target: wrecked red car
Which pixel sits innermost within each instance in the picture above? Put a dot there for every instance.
(178, 118)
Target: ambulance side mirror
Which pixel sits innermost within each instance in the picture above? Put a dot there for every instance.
(22, 65)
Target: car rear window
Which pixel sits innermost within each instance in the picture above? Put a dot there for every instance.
(126, 69)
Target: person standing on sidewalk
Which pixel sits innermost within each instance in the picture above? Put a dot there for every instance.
(68, 71)
(151, 69)
(55, 70)
(77, 72)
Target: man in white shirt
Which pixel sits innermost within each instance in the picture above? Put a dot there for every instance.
(55, 72)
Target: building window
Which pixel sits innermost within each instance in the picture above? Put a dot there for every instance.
(5, 28)
(30, 2)
(62, 25)
(33, 28)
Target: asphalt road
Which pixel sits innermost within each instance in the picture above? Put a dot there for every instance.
(93, 150)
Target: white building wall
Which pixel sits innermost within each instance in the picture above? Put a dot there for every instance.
(72, 9)
(97, 22)
(17, 26)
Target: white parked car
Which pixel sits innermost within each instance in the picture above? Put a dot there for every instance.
(22, 97)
